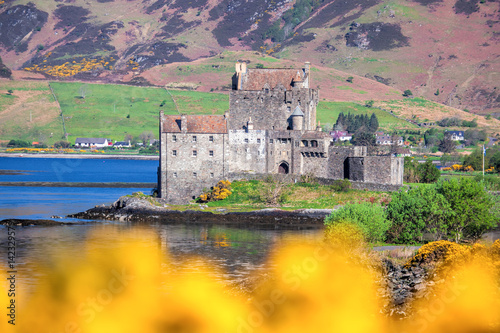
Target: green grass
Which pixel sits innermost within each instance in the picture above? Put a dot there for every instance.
(104, 111)
(328, 112)
(246, 195)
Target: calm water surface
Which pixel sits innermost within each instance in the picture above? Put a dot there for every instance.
(234, 252)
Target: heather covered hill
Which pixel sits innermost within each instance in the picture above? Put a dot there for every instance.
(444, 50)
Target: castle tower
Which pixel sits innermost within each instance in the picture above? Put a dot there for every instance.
(297, 119)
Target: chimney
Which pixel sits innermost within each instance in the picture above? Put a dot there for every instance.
(184, 126)
(250, 124)
(307, 67)
(319, 129)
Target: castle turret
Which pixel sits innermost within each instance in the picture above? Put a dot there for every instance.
(297, 119)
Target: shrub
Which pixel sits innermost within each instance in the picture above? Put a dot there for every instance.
(19, 144)
(470, 208)
(219, 192)
(407, 93)
(341, 185)
(435, 251)
(275, 189)
(62, 144)
(427, 172)
(413, 212)
(369, 217)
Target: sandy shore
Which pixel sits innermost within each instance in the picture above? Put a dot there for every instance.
(93, 156)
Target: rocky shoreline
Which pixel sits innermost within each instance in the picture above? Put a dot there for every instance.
(142, 210)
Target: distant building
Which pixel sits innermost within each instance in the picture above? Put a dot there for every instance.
(92, 142)
(385, 139)
(455, 135)
(341, 135)
(122, 144)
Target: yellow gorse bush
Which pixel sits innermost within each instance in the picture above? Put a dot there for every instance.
(72, 68)
(219, 192)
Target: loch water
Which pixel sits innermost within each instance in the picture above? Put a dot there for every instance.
(234, 252)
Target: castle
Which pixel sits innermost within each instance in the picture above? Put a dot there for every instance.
(270, 128)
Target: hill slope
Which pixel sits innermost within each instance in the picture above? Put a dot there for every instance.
(444, 50)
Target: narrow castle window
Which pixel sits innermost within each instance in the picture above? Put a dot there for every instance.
(305, 143)
(174, 174)
(258, 140)
(211, 138)
(195, 153)
(174, 152)
(314, 143)
(211, 153)
(195, 174)
(271, 141)
(211, 175)
(194, 138)
(246, 140)
(174, 138)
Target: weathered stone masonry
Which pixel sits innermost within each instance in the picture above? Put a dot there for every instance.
(270, 128)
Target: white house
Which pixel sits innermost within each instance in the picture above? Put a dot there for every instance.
(455, 135)
(92, 142)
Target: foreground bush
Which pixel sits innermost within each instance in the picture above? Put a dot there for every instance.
(219, 192)
(369, 217)
(415, 211)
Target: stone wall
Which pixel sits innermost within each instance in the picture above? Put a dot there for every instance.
(383, 170)
(247, 151)
(271, 109)
(192, 162)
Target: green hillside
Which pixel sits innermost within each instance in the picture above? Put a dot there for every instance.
(114, 111)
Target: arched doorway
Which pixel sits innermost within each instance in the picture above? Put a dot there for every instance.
(283, 168)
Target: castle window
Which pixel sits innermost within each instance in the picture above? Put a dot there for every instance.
(211, 153)
(271, 141)
(195, 174)
(211, 175)
(266, 90)
(174, 138)
(211, 138)
(288, 109)
(258, 140)
(314, 143)
(195, 153)
(174, 152)
(246, 140)
(305, 143)
(194, 138)
(174, 174)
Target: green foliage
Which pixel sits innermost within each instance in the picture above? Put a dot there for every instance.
(428, 173)
(407, 93)
(18, 144)
(475, 159)
(352, 123)
(341, 185)
(349, 79)
(415, 211)
(370, 218)
(490, 182)
(450, 121)
(472, 123)
(473, 136)
(495, 161)
(447, 145)
(469, 210)
(62, 144)
(369, 103)
(364, 139)
(259, 65)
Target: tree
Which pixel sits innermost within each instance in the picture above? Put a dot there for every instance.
(145, 136)
(415, 211)
(369, 103)
(373, 124)
(427, 172)
(407, 93)
(349, 79)
(62, 144)
(495, 161)
(470, 206)
(10, 92)
(475, 159)
(363, 138)
(447, 145)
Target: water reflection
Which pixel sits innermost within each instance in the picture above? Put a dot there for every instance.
(234, 252)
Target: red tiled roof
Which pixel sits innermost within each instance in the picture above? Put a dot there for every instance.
(256, 78)
(195, 124)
